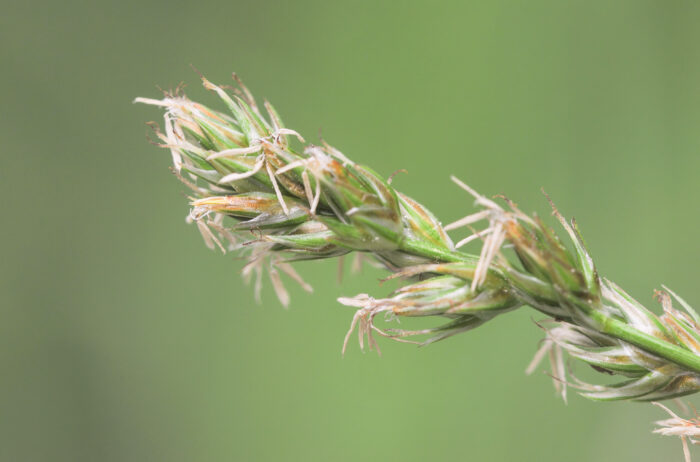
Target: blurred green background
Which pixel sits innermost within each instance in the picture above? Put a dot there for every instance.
(124, 339)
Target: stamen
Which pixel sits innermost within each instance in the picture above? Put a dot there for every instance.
(174, 150)
(468, 220)
(281, 292)
(489, 249)
(291, 272)
(288, 131)
(474, 236)
(280, 198)
(152, 102)
(317, 197)
(307, 187)
(542, 351)
(481, 200)
(290, 166)
(236, 152)
(239, 176)
(209, 238)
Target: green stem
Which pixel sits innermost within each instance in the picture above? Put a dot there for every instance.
(648, 343)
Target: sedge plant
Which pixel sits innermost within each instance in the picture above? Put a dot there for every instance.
(253, 192)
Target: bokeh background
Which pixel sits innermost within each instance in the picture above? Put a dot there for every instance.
(124, 339)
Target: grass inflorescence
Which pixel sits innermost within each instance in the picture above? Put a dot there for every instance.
(253, 191)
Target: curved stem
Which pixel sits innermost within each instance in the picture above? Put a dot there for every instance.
(646, 342)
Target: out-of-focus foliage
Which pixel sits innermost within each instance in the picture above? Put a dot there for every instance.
(110, 347)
